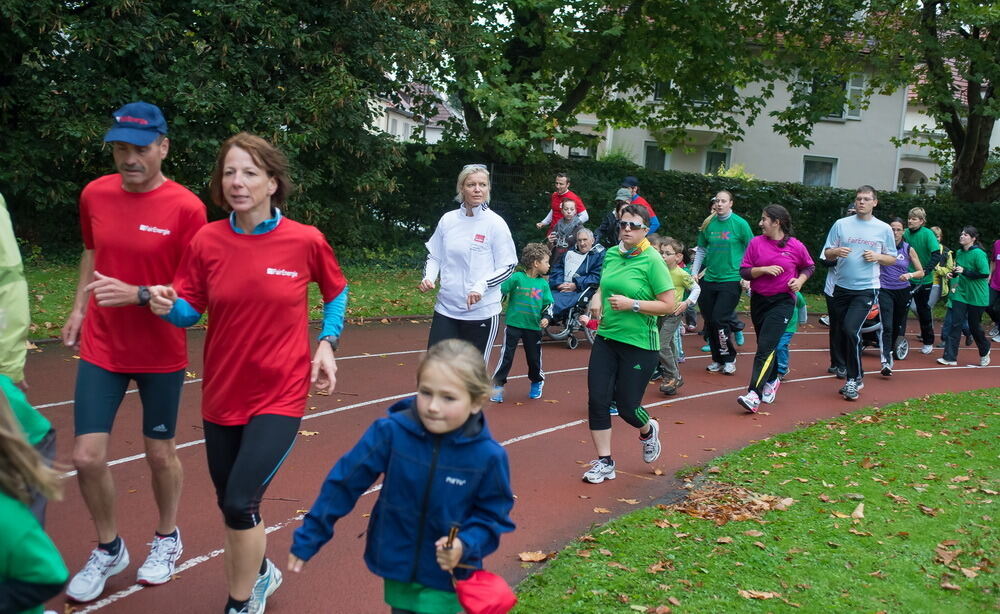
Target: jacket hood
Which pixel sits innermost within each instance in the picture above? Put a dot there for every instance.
(405, 413)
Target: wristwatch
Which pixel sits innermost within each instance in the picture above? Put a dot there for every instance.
(635, 306)
(333, 340)
(143, 296)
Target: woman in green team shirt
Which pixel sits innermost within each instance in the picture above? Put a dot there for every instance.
(721, 244)
(635, 288)
(970, 297)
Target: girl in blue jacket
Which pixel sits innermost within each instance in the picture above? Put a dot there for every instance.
(442, 468)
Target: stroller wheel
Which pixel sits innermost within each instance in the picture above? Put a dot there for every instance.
(557, 331)
(572, 342)
(902, 348)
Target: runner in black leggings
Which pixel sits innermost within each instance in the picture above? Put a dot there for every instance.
(635, 288)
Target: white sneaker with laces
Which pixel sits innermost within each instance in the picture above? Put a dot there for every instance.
(88, 583)
(729, 368)
(950, 363)
(266, 584)
(651, 444)
(599, 471)
(713, 367)
(770, 391)
(927, 349)
(159, 565)
(750, 401)
(984, 361)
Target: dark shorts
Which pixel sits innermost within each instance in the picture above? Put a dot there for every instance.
(99, 393)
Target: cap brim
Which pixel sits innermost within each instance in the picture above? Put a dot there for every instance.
(131, 135)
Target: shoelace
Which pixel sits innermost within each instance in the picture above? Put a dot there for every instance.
(95, 566)
(161, 549)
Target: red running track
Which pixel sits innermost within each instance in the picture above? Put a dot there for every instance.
(547, 440)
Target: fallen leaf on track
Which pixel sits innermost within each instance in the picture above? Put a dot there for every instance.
(308, 433)
(601, 510)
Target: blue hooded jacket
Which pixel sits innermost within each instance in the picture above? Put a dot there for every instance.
(431, 482)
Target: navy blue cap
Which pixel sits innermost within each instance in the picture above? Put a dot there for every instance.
(138, 123)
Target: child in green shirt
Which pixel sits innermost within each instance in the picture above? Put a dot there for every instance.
(529, 309)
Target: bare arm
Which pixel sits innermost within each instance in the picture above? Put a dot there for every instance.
(71, 330)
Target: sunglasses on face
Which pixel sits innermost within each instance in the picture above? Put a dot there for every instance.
(631, 225)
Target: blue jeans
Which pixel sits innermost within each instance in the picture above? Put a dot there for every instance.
(781, 352)
(946, 326)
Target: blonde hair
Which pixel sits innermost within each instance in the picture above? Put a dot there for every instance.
(22, 469)
(471, 169)
(708, 220)
(465, 361)
(919, 213)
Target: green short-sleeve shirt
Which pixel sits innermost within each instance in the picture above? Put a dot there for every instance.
(972, 291)
(640, 278)
(924, 242)
(724, 243)
(26, 552)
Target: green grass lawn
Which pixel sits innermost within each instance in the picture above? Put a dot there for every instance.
(375, 293)
(883, 510)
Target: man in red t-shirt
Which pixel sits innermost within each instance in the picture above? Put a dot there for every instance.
(136, 224)
(555, 204)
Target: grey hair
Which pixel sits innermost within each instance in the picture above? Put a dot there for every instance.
(586, 231)
(470, 169)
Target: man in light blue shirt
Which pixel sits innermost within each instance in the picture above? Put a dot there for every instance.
(860, 244)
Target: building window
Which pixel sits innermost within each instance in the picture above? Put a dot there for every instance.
(548, 146)
(817, 171)
(855, 87)
(656, 159)
(393, 127)
(716, 160)
(660, 89)
(584, 151)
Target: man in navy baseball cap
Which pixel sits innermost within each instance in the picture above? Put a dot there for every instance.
(138, 123)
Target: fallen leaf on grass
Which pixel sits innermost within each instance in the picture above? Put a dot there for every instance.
(930, 511)
(618, 565)
(898, 498)
(665, 524)
(724, 540)
(753, 533)
(950, 587)
(758, 594)
(859, 512)
(960, 478)
(606, 552)
(674, 600)
(534, 557)
(760, 545)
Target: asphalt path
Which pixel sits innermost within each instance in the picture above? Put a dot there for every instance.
(547, 441)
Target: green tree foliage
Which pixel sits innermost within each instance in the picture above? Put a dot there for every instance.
(949, 51)
(305, 75)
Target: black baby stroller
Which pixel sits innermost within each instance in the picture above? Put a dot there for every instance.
(566, 325)
(871, 335)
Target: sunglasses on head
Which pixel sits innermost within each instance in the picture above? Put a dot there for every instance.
(468, 166)
(631, 225)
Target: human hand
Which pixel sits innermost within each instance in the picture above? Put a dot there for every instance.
(295, 563)
(839, 252)
(552, 238)
(794, 284)
(869, 255)
(619, 302)
(112, 292)
(544, 322)
(425, 285)
(681, 308)
(324, 368)
(472, 299)
(539, 224)
(774, 270)
(161, 299)
(71, 329)
(448, 558)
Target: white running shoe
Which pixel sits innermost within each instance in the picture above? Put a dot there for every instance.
(159, 565)
(729, 368)
(266, 584)
(927, 349)
(651, 444)
(750, 401)
(88, 583)
(599, 471)
(770, 391)
(984, 361)
(950, 363)
(713, 367)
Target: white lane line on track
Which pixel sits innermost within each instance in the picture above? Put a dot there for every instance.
(198, 560)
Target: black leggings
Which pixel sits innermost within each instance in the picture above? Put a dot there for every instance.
(532, 340)
(835, 339)
(962, 313)
(480, 333)
(770, 316)
(893, 305)
(242, 460)
(717, 302)
(618, 372)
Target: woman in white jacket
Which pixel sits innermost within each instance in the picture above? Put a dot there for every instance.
(473, 252)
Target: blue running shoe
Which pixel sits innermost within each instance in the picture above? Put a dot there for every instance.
(613, 409)
(536, 390)
(497, 396)
(266, 584)
(738, 337)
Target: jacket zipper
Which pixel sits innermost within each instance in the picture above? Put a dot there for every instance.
(423, 507)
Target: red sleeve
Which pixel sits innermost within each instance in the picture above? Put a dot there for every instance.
(189, 281)
(579, 204)
(85, 226)
(325, 269)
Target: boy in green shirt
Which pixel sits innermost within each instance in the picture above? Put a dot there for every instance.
(529, 309)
